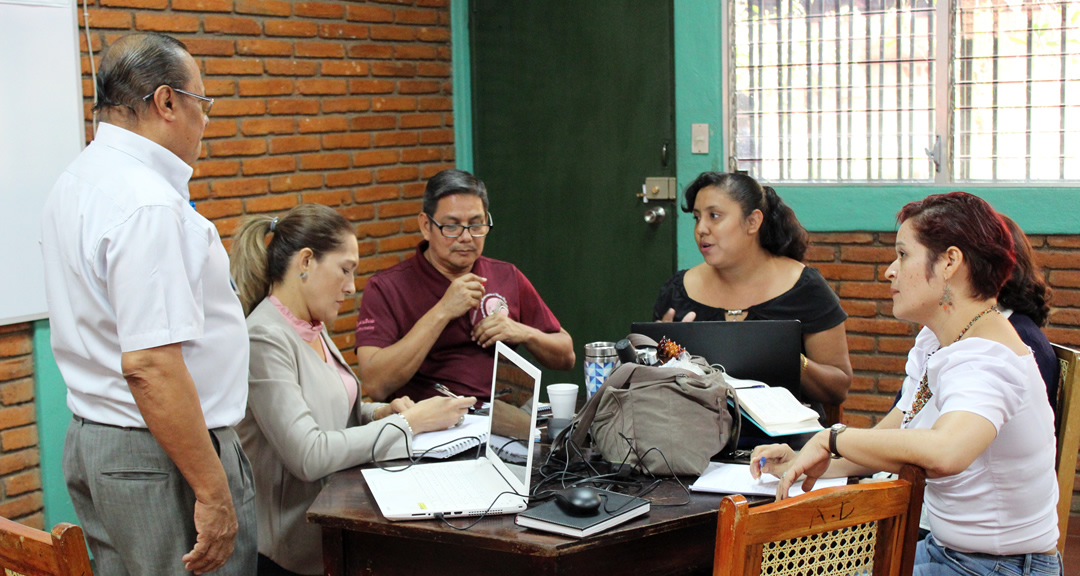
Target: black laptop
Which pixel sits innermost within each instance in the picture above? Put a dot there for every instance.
(765, 350)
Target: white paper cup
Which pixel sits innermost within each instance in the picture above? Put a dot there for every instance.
(563, 398)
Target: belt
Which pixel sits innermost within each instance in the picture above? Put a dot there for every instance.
(81, 420)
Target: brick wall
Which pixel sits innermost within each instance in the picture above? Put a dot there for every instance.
(346, 104)
(20, 476)
(349, 104)
(855, 264)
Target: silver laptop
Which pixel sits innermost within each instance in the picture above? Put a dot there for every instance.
(498, 482)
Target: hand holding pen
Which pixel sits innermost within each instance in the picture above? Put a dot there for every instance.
(446, 392)
(773, 459)
(459, 403)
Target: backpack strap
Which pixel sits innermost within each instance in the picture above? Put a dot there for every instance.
(583, 421)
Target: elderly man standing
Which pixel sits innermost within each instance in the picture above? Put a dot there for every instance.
(147, 332)
(435, 318)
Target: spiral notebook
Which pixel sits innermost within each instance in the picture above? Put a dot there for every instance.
(472, 433)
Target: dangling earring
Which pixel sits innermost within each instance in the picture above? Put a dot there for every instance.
(303, 276)
(946, 298)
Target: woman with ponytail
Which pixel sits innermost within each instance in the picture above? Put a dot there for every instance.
(753, 247)
(305, 419)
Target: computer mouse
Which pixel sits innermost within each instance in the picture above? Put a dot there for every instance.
(581, 501)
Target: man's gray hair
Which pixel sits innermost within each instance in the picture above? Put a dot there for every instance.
(135, 66)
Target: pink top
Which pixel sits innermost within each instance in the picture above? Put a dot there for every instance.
(308, 332)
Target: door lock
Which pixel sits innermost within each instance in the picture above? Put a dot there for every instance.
(657, 189)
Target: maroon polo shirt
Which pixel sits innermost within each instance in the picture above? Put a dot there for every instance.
(395, 299)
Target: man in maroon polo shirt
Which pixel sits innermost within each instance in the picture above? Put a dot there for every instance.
(435, 318)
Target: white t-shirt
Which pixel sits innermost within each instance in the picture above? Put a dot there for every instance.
(1005, 502)
(130, 265)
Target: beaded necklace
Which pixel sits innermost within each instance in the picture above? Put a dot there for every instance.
(924, 394)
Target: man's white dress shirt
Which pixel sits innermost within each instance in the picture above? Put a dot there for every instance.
(130, 265)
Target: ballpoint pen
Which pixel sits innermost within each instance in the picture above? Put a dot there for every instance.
(445, 391)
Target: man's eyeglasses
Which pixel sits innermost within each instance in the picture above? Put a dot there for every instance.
(455, 230)
(206, 103)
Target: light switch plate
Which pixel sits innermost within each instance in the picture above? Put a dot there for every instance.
(699, 138)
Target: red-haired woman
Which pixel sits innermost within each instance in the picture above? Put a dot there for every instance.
(973, 412)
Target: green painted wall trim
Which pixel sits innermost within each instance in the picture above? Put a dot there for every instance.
(461, 75)
(698, 100)
(1038, 210)
(53, 416)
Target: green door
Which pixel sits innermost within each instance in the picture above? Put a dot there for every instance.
(573, 107)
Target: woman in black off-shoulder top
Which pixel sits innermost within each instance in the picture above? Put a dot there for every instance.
(753, 247)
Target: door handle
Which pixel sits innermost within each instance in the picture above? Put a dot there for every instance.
(655, 215)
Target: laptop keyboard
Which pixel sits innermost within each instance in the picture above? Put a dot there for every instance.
(446, 486)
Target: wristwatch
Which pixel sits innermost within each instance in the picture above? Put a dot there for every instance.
(833, 433)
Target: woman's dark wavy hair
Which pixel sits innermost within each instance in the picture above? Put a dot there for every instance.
(780, 233)
(1026, 291)
(969, 223)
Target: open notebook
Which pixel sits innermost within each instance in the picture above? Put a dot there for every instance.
(446, 443)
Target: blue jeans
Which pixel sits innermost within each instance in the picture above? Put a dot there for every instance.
(931, 559)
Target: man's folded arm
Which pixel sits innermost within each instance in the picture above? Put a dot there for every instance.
(554, 350)
(384, 370)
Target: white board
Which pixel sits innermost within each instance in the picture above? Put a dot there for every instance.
(41, 132)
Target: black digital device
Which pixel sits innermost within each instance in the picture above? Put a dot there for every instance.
(765, 350)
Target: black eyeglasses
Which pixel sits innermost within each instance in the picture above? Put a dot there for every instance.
(206, 103)
(455, 230)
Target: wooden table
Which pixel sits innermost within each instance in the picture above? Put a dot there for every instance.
(358, 540)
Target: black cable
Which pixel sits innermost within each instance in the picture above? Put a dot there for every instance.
(482, 515)
(413, 461)
(641, 463)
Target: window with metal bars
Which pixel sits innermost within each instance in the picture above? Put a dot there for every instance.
(832, 91)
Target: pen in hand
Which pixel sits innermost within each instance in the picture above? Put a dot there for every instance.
(445, 391)
(761, 470)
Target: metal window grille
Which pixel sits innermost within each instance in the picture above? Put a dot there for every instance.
(1016, 91)
(848, 90)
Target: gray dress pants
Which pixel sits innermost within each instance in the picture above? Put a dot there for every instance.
(137, 510)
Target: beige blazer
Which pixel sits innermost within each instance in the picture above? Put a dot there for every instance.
(297, 431)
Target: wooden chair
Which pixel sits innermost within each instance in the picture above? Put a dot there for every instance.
(857, 529)
(29, 552)
(1068, 434)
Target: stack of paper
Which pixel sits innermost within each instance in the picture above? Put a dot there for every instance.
(736, 479)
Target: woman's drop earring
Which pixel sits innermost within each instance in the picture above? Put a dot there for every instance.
(946, 298)
(303, 276)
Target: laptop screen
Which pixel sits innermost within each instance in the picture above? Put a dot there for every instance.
(513, 413)
(765, 350)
